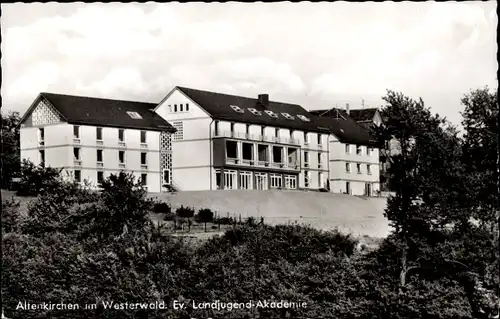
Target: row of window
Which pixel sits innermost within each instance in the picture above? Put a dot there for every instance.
(367, 192)
(76, 134)
(359, 150)
(121, 156)
(307, 178)
(270, 113)
(180, 108)
(262, 130)
(143, 180)
(249, 180)
(306, 159)
(358, 166)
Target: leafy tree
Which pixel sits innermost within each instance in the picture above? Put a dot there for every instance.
(185, 212)
(10, 148)
(36, 180)
(205, 216)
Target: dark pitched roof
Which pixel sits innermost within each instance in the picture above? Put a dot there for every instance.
(218, 106)
(344, 127)
(363, 114)
(105, 112)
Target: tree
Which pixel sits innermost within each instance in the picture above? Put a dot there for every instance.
(205, 216)
(37, 180)
(185, 212)
(10, 159)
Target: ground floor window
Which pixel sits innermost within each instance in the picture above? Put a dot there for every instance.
(230, 180)
(276, 181)
(306, 178)
(166, 177)
(246, 180)
(144, 179)
(100, 177)
(78, 176)
(290, 181)
(320, 180)
(347, 187)
(261, 181)
(368, 189)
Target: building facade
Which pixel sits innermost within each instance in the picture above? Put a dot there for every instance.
(91, 138)
(233, 142)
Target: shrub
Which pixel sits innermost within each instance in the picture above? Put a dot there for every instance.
(35, 180)
(162, 208)
(205, 216)
(10, 216)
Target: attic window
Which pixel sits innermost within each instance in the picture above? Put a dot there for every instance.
(271, 114)
(236, 108)
(303, 118)
(287, 116)
(134, 115)
(254, 111)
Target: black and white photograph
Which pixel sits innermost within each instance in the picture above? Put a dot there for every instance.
(260, 160)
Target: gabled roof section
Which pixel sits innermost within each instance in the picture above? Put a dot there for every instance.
(106, 112)
(218, 106)
(362, 115)
(344, 127)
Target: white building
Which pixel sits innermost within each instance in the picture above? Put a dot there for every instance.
(90, 138)
(233, 142)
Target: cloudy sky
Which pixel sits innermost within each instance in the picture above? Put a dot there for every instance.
(316, 54)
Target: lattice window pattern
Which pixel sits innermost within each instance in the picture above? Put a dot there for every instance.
(45, 114)
(166, 153)
(179, 135)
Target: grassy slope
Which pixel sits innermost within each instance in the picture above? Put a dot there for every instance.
(359, 216)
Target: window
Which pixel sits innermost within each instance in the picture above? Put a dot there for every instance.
(247, 130)
(277, 132)
(359, 168)
(166, 176)
(121, 135)
(348, 149)
(368, 169)
(100, 177)
(216, 128)
(179, 134)
(358, 149)
(262, 130)
(246, 180)
(290, 181)
(291, 133)
(237, 108)
(348, 167)
(276, 181)
(306, 138)
(76, 153)
(144, 179)
(306, 159)
(170, 108)
(232, 128)
(134, 115)
(99, 156)
(78, 176)
(121, 157)
(347, 187)
(76, 131)
(306, 178)
(261, 182)
(271, 114)
(143, 137)
(303, 118)
(369, 151)
(319, 139)
(287, 116)
(144, 158)
(254, 111)
(187, 107)
(41, 136)
(319, 160)
(42, 157)
(98, 133)
(181, 107)
(320, 180)
(175, 107)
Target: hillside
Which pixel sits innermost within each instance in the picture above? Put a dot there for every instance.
(356, 215)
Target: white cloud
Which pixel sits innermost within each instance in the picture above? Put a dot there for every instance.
(120, 80)
(39, 78)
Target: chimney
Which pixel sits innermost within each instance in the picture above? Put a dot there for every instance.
(264, 100)
(347, 108)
